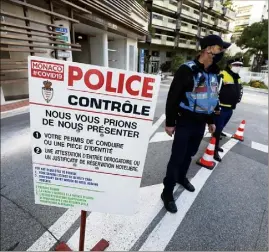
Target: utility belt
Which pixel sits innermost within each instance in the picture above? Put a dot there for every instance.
(188, 115)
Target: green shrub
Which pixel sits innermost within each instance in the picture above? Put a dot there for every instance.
(257, 84)
(177, 60)
(244, 84)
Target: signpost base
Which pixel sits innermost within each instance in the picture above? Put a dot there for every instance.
(101, 245)
(62, 247)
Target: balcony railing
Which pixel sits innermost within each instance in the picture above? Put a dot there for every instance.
(190, 12)
(242, 14)
(208, 19)
(185, 43)
(206, 4)
(216, 6)
(162, 39)
(203, 33)
(229, 13)
(196, 1)
(221, 24)
(189, 28)
(161, 20)
(212, 32)
(168, 4)
(242, 22)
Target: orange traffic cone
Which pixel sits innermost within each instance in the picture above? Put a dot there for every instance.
(207, 159)
(239, 135)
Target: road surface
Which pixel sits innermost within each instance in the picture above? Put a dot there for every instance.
(228, 211)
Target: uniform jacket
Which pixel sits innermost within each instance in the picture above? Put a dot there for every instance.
(231, 91)
(183, 83)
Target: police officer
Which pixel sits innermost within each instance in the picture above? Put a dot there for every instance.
(190, 104)
(230, 94)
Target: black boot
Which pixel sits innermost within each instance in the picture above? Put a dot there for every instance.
(217, 156)
(187, 185)
(222, 134)
(217, 148)
(168, 201)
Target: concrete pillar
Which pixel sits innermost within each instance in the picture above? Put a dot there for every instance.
(117, 53)
(3, 101)
(131, 56)
(162, 57)
(99, 50)
(105, 52)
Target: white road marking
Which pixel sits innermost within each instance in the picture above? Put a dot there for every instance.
(160, 137)
(207, 134)
(58, 229)
(121, 231)
(61, 226)
(164, 85)
(260, 147)
(157, 124)
(164, 231)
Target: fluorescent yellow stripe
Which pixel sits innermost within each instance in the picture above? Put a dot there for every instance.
(225, 105)
(227, 78)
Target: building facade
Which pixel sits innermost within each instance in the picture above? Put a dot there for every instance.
(177, 25)
(104, 33)
(247, 13)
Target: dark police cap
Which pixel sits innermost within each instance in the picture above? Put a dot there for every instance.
(212, 40)
(236, 61)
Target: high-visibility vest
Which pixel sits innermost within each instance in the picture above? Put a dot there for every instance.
(204, 96)
(228, 80)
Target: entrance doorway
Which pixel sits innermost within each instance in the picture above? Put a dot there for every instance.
(154, 66)
(84, 56)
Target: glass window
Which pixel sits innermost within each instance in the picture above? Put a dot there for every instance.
(185, 8)
(173, 2)
(173, 21)
(168, 54)
(155, 53)
(184, 24)
(170, 39)
(196, 12)
(157, 17)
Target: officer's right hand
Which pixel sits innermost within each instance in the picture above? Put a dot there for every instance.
(170, 130)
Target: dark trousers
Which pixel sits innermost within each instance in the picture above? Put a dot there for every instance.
(220, 122)
(222, 119)
(188, 137)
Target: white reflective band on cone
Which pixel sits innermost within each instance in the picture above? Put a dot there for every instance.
(239, 133)
(207, 157)
(211, 147)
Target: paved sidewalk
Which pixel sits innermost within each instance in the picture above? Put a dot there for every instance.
(14, 107)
